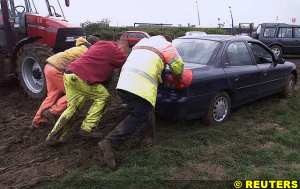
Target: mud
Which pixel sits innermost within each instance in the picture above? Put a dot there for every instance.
(25, 160)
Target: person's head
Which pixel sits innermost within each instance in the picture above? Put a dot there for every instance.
(81, 41)
(86, 41)
(152, 33)
(168, 38)
(123, 44)
(92, 39)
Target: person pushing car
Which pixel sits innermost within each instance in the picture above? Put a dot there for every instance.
(137, 85)
(85, 79)
(56, 102)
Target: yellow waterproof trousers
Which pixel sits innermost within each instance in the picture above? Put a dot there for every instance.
(77, 92)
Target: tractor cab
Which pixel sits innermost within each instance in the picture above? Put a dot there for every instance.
(32, 18)
(30, 32)
(19, 8)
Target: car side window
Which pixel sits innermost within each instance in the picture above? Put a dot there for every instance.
(285, 33)
(238, 54)
(297, 32)
(270, 32)
(260, 53)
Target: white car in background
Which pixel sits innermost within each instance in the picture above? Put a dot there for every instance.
(195, 33)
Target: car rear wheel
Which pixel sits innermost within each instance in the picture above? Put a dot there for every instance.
(219, 109)
(290, 87)
(277, 50)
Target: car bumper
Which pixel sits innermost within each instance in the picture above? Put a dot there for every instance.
(172, 108)
(179, 106)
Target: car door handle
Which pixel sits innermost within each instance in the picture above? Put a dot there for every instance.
(265, 74)
(237, 79)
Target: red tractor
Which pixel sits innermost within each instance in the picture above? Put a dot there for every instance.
(30, 31)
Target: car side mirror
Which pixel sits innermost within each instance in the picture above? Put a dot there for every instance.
(67, 2)
(279, 60)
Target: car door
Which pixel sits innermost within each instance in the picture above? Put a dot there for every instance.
(271, 76)
(297, 40)
(241, 71)
(285, 38)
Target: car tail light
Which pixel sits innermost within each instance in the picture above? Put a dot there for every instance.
(184, 82)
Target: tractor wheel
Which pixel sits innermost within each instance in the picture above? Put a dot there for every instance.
(31, 61)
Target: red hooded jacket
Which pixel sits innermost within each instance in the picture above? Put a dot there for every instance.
(98, 63)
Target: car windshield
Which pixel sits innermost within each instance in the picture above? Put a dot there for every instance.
(196, 51)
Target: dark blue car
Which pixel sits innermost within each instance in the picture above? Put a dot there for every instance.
(228, 71)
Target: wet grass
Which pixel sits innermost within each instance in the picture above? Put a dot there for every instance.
(260, 141)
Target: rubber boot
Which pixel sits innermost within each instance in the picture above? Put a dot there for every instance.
(50, 116)
(87, 134)
(108, 154)
(34, 126)
(57, 137)
(149, 132)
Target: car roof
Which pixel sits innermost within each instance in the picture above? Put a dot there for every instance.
(136, 32)
(142, 32)
(278, 25)
(220, 38)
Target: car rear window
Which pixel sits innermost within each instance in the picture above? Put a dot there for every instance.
(196, 51)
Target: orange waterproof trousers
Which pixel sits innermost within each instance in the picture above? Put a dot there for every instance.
(56, 100)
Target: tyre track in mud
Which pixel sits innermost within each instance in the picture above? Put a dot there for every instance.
(25, 160)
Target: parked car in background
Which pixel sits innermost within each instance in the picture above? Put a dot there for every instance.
(227, 71)
(195, 33)
(133, 37)
(283, 39)
(245, 29)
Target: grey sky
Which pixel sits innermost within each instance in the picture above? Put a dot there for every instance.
(183, 11)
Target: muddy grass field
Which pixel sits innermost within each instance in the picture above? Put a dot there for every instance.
(25, 160)
(261, 140)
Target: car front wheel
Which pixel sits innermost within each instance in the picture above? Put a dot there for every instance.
(290, 87)
(219, 109)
